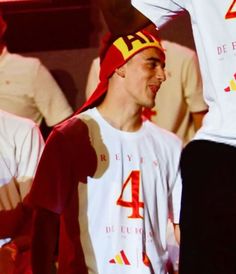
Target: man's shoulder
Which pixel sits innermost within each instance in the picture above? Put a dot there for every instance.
(77, 125)
(12, 121)
(178, 50)
(20, 60)
(16, 128)
(164, 136)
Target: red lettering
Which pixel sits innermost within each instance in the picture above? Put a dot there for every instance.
(129, 157)
(135, 203)
(117, 156)
(103, 157)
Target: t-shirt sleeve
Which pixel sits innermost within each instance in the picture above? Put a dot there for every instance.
(193, 90)
(175, 182)
(53, 180)
(175, 199)
(28, 154)
(159, 12)
(67, 160)
(49, 98)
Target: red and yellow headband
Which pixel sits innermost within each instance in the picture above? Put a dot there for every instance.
(122, 49)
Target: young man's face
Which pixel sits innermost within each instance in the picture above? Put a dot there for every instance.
(144, 74)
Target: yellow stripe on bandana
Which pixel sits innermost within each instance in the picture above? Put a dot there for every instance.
(130, 44)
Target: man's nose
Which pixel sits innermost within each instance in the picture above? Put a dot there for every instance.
(160, 74)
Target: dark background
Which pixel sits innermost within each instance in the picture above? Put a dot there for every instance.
(50, 24)
(40, 25)
(65, 34)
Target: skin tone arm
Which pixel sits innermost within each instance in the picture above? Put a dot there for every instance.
(44, 241)
(121, 17)
(177, 233)
(197, 118)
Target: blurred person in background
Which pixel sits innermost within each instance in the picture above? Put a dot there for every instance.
(27, 89)
(21, 145)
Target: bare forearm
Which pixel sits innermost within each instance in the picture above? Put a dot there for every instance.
(177, 233)
(197, 118)
(121, 17)
(44, 241)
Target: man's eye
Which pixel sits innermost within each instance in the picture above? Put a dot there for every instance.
(152, 65)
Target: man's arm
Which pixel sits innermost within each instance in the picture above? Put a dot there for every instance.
(44, 241)
(49, 97)
(121, 17)
(193, 89)
(177, 233)
(197, 118)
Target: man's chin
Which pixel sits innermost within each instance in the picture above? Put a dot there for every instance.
(150, 105)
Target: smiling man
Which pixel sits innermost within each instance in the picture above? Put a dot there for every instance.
(120, 181)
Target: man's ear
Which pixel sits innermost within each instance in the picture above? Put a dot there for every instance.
(120, 71)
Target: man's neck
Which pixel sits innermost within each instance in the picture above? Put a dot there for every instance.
(121, 118)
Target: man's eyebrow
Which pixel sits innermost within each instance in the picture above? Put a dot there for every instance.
(156, 59)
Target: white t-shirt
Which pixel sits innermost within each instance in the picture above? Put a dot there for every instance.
(214, 30)
(114, 190)
(21, 145)
(135, 189)
(27, 89)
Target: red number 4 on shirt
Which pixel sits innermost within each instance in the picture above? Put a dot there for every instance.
(231, 13)
(134, 181)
